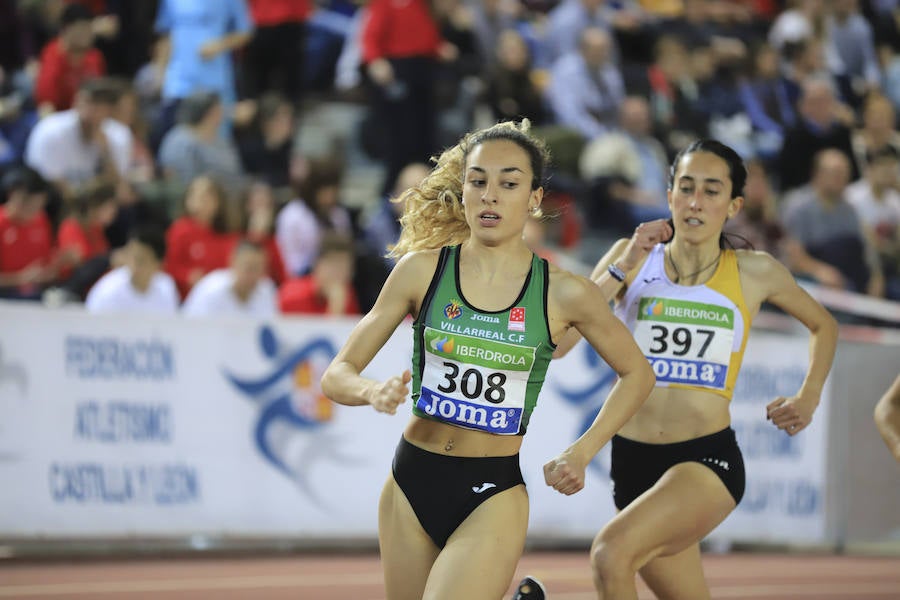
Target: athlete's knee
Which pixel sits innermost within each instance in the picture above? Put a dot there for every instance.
(611, 560)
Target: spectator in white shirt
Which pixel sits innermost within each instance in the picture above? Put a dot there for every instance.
(140, 285)
(73, 147)
(876, 198)
(241, 290)
(316, 210)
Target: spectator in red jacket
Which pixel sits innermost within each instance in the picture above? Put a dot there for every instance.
(400, 43)
(68, 60)
(202, 240)
(27, 258)
(328, 289)
(83, 231)
(82, 236)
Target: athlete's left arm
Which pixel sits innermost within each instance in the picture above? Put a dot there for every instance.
(887, 418)
(581, 304)
(778, 287)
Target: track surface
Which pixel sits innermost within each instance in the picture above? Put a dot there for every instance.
(358, 577)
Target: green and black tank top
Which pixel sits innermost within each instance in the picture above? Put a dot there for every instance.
(480, 369)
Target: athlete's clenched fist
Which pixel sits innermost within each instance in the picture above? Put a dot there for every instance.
(645, 237)
(387, 395)
(564, 475)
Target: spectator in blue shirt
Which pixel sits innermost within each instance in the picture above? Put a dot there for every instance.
(768, 101)
(853, 42)
(201, 37)
(570, 18)
(586, 86)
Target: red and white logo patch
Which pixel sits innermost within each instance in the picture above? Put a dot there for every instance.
(517, 319)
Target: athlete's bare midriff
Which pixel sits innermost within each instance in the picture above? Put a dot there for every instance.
(442, 438)
(675, 414)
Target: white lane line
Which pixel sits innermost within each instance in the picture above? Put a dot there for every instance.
(768, 592)
(192, 583)
(811, 590)
(860, 571)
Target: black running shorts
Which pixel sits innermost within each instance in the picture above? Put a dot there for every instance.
(637, 466)
(444, 490)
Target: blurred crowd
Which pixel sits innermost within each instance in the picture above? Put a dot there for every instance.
(151, 155)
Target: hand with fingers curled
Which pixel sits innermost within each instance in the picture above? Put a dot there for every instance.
(792, 415)
(645, 237)
(565, 473)
(386, 396)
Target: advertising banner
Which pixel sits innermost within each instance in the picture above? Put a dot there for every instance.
(123, 426)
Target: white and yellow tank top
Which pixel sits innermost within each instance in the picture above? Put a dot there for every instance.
(694, 336)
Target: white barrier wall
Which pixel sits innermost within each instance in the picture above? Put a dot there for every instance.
(119, 427)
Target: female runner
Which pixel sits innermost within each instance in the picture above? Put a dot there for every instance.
(454, 512)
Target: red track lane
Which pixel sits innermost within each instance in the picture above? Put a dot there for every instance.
(358, 577)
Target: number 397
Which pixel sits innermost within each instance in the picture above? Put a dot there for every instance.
(681, 339)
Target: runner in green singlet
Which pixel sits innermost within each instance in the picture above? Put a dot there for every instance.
(454, 513)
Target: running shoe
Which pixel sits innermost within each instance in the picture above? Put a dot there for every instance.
(530, 589)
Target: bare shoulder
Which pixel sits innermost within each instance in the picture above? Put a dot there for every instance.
(755, 262)
(409, 279)
(563, 281)
(416, 263)
(760, 266)
(762, 276)
(570, 300)
(569, 291)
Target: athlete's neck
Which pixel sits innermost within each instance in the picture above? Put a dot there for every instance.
(494, 261)
(689, 263)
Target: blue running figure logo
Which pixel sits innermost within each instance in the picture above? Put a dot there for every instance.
(291, 401)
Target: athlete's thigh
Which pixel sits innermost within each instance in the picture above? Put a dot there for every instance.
(687, 502)
(407, 553)
(677, 577)
(480, 557)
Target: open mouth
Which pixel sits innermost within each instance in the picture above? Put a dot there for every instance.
(489, 218)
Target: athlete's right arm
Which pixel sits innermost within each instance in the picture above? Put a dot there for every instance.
(579, 303)
(401, 295)
(627, 254)
(767, 280)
